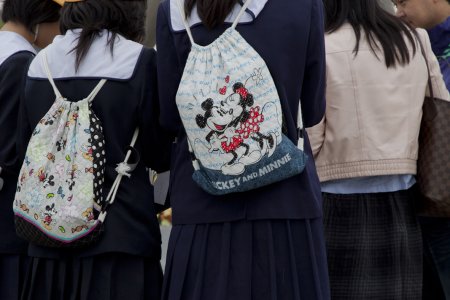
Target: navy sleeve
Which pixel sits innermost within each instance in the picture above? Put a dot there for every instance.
(313, 93)
(156, 140)
(24, 129)
(13, 72)
(169, 73)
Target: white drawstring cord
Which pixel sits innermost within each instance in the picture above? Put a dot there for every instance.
(301, 140)
(123, 169)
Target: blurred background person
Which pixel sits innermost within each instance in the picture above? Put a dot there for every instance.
(387, 5)
(433, 15)
(366, 150)
(28, 24)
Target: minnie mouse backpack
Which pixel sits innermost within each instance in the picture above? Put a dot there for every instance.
(232, 115)
(59, 200)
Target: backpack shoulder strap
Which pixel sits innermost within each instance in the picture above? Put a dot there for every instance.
(186, 25)
(95, 91)
(49, 74)
(90, 97)
(239, 16)
(122, 169)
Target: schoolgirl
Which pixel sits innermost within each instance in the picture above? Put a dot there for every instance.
(99, 41)
(266, 243)
(366, 150)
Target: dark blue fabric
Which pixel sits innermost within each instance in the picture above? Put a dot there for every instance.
(12, 74)
(436, 235)
(111, 276)
(288, 35)
(440, 43)
(247, 260)
(13, 270)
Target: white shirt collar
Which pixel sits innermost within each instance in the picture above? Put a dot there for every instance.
(98, 63)
(11, 43)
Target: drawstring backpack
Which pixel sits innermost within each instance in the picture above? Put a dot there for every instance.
(231, 111)
(59, 200)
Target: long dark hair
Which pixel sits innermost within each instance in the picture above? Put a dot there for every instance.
(30, 13)
(380, 27)
(126, 18)
(211, 12)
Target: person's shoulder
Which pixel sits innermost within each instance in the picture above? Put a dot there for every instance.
(14, 47)
(18, 59)
(422, 33)
(165, 5)
(146, 57)
(342, 39)
(15, 66)
(164, 9)
(148, 52)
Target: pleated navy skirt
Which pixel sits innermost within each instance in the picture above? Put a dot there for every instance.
(13, 268)
(111, 276)
(374, 246)
(247, 260)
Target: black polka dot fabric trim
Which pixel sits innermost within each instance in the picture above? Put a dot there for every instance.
(98, 153)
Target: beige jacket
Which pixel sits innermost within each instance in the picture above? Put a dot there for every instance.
(373, 114)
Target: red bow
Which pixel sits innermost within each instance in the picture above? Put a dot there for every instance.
(242, 91)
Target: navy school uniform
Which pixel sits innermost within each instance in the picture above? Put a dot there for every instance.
(124, 263)
(266, 243)
(15, 55)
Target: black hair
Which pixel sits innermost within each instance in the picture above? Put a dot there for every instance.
(30, 13)
(380, 27)
(123, 17)
(211, 12)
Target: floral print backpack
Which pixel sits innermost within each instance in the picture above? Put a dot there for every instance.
(59, 200)
(231, 111)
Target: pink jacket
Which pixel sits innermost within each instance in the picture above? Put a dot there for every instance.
(372, 120)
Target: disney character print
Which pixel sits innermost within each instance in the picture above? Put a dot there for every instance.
(232, 123)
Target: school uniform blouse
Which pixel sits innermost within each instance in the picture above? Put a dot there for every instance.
(15, 55)
(289, 36)
(127, 100)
